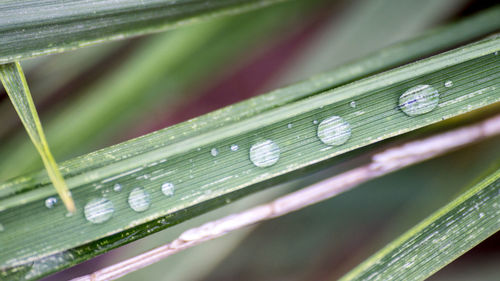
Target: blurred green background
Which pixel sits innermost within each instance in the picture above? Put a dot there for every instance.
(95, 97)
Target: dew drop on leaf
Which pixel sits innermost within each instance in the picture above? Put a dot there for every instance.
(214, 152)
(334, 131)
(117, 187)
(50, 202)
(264, 153)
(139, 199)
(98, 210)
(168, 189)
(234, 147)
(448, 84)
(419, 100)
(352, 104)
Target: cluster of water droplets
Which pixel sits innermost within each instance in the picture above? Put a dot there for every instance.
(332, 131)
(99, 210)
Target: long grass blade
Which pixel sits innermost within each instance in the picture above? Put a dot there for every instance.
(15, 84)
(34, 28)
(439, 239)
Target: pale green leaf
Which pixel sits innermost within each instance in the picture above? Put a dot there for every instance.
(15, 84)
(439, 239)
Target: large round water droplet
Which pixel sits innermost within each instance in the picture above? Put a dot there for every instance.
(419, 100)
(139, 200)
(98, 210)
(168, 189)
(334, 131)
(265, 153)
(50, 202)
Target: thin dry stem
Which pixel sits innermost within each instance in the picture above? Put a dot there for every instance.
(382, 163)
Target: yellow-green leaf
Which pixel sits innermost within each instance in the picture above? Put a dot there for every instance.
(15, 84)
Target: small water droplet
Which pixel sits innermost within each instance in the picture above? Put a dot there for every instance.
(448, 84)
(117, 187)
(214, 152)
(98, 210)
(352, 104)
(264, 153)
(234, 147)
(315, 122)
(496, 53)
(50, 202)
(289, 126)
(168, 189)
(481, 215)
(419, 100)
(139, 199)
(334, 131)
(2, 228)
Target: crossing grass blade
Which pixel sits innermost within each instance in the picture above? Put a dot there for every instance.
(438, 240)
(35, 28)
(182, 155)
(15, 84)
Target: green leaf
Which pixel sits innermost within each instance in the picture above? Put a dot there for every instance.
(34, 28)
(183, 155)
(439, 239)
(15, 84)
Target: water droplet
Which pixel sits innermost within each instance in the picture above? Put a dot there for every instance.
(168, 189)
(315, 122)
(2, 228)
(234, 147)
(117, 187)
(139, 199)
(264, 153)
(334, 131)
(214, 152)
(481, 215)
(419, 100)
(289, 126)
(352, 104)
(496, 53)
(98, 210)
(50, 202)
(448, 84)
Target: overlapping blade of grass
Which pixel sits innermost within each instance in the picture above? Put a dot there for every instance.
(90, 118)
(439, 239)
(183, 155)
(12, 77)
(34, 28)
(160, 70)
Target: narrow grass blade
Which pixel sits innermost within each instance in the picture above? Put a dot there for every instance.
(439, 239)
(15, 84)
(34, 28)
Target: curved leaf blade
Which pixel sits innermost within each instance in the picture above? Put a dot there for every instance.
(439, 239)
